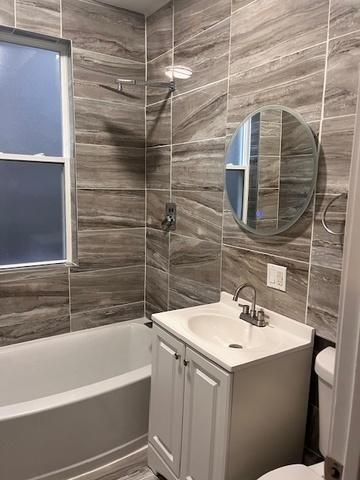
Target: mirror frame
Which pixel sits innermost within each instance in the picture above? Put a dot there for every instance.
(315, 151)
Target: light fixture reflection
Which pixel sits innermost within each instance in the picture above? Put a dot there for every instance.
(178, 71)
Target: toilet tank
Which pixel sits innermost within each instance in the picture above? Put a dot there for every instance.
(325, 369)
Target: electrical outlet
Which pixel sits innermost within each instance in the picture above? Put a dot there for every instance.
(276, 277)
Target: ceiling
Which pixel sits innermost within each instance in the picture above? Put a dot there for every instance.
(147, 7)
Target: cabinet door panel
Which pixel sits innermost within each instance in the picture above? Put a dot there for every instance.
(167, 391)
(206, 417)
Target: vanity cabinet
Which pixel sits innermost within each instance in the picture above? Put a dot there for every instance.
(207, 423)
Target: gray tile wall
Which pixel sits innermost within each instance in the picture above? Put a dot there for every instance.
(108, 286)
(245, 54)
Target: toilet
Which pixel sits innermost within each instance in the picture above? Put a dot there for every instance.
(324, 367)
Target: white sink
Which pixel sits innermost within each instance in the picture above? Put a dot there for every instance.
(216, 331)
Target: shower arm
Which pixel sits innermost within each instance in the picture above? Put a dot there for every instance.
(145, 83)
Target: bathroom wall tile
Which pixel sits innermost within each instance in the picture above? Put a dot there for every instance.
(158, 168)
(110, 167)
(156, 72)
(269, 171)
(106, 316)
(186, 292)
(199, 214)
(199, 165)
(106, 288)
(33, 304)
(236, 4)
(108, 209)
(344, 17)
(207, 55)
(41, 16)
(327, 249)
(103, 28)
(105, 123)
(200, 114)
(324, 301)
(157, 249)
(192, 17)
(335, 155)
(158, 124)
(342, 75)
(295, 81)
(157, 284)
(242, 266)
(293, 244)
(7, 16)
(159, 31)
(268, 29)
(155, 207)
(111, 248)
(195, 260)
(95, 75)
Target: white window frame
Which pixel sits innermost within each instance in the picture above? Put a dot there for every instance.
(63, 47)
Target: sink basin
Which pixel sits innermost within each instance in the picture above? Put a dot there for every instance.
(226, 331)
(216, 331)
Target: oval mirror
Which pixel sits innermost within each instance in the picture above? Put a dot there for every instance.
(271, 169)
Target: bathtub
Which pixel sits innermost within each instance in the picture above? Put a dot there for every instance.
(74, 402)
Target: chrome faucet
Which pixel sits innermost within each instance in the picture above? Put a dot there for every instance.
(250, 315)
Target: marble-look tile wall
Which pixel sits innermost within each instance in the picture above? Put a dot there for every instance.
(108, 285)
(245, 54)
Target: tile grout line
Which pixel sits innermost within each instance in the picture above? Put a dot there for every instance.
(15, 13)
(61, 18)
(319, 144)
(145, 170)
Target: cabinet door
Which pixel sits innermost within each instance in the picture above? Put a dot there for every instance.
(206, 419)
(167, 397)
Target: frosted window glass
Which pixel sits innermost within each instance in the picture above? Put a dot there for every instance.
(31, 212)
(30, 100)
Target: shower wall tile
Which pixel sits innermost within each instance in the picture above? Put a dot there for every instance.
(267, 29)
(200, 114)
(243, 266)
(109, 209)
(95, 77)
(157, 282)
(324, 301)
(157, 249)
(335, 155)
(106, 316)
(344, 17)
(207, 55)
(41, 16)
(33, 304)
(110, 167)
(192, 17)
(155, 207)
(91, 290)
(186, 292)
(159, 31)
(236, 4)
(199, 165)
(199, 214)
(103, 28)
(7, 16)
(158, 124)
(156, 71)
(342, 75)
(111, 248)
(327, 249)
(158, 162)
(106, 123)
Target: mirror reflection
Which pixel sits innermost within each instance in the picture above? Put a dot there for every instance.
(271, 167)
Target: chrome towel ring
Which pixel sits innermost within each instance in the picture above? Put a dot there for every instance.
(323, 217)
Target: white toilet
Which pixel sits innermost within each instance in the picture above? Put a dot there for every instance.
(324, 367)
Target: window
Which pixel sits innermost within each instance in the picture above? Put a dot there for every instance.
(35, 152)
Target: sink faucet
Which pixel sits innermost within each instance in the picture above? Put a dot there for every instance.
(252, 316)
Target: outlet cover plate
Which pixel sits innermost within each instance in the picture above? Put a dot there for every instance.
(276, 277)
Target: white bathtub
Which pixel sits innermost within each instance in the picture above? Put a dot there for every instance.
(73, 402)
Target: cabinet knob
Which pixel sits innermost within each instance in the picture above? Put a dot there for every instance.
(177, 356)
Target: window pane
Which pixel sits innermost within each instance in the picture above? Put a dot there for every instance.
(30, 99)
(31, 212)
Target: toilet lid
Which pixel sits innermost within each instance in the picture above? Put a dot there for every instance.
(291, 472)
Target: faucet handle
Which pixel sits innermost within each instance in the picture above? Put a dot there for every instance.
(246, 308)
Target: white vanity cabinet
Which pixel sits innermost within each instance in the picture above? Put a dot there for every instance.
(207, 423)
